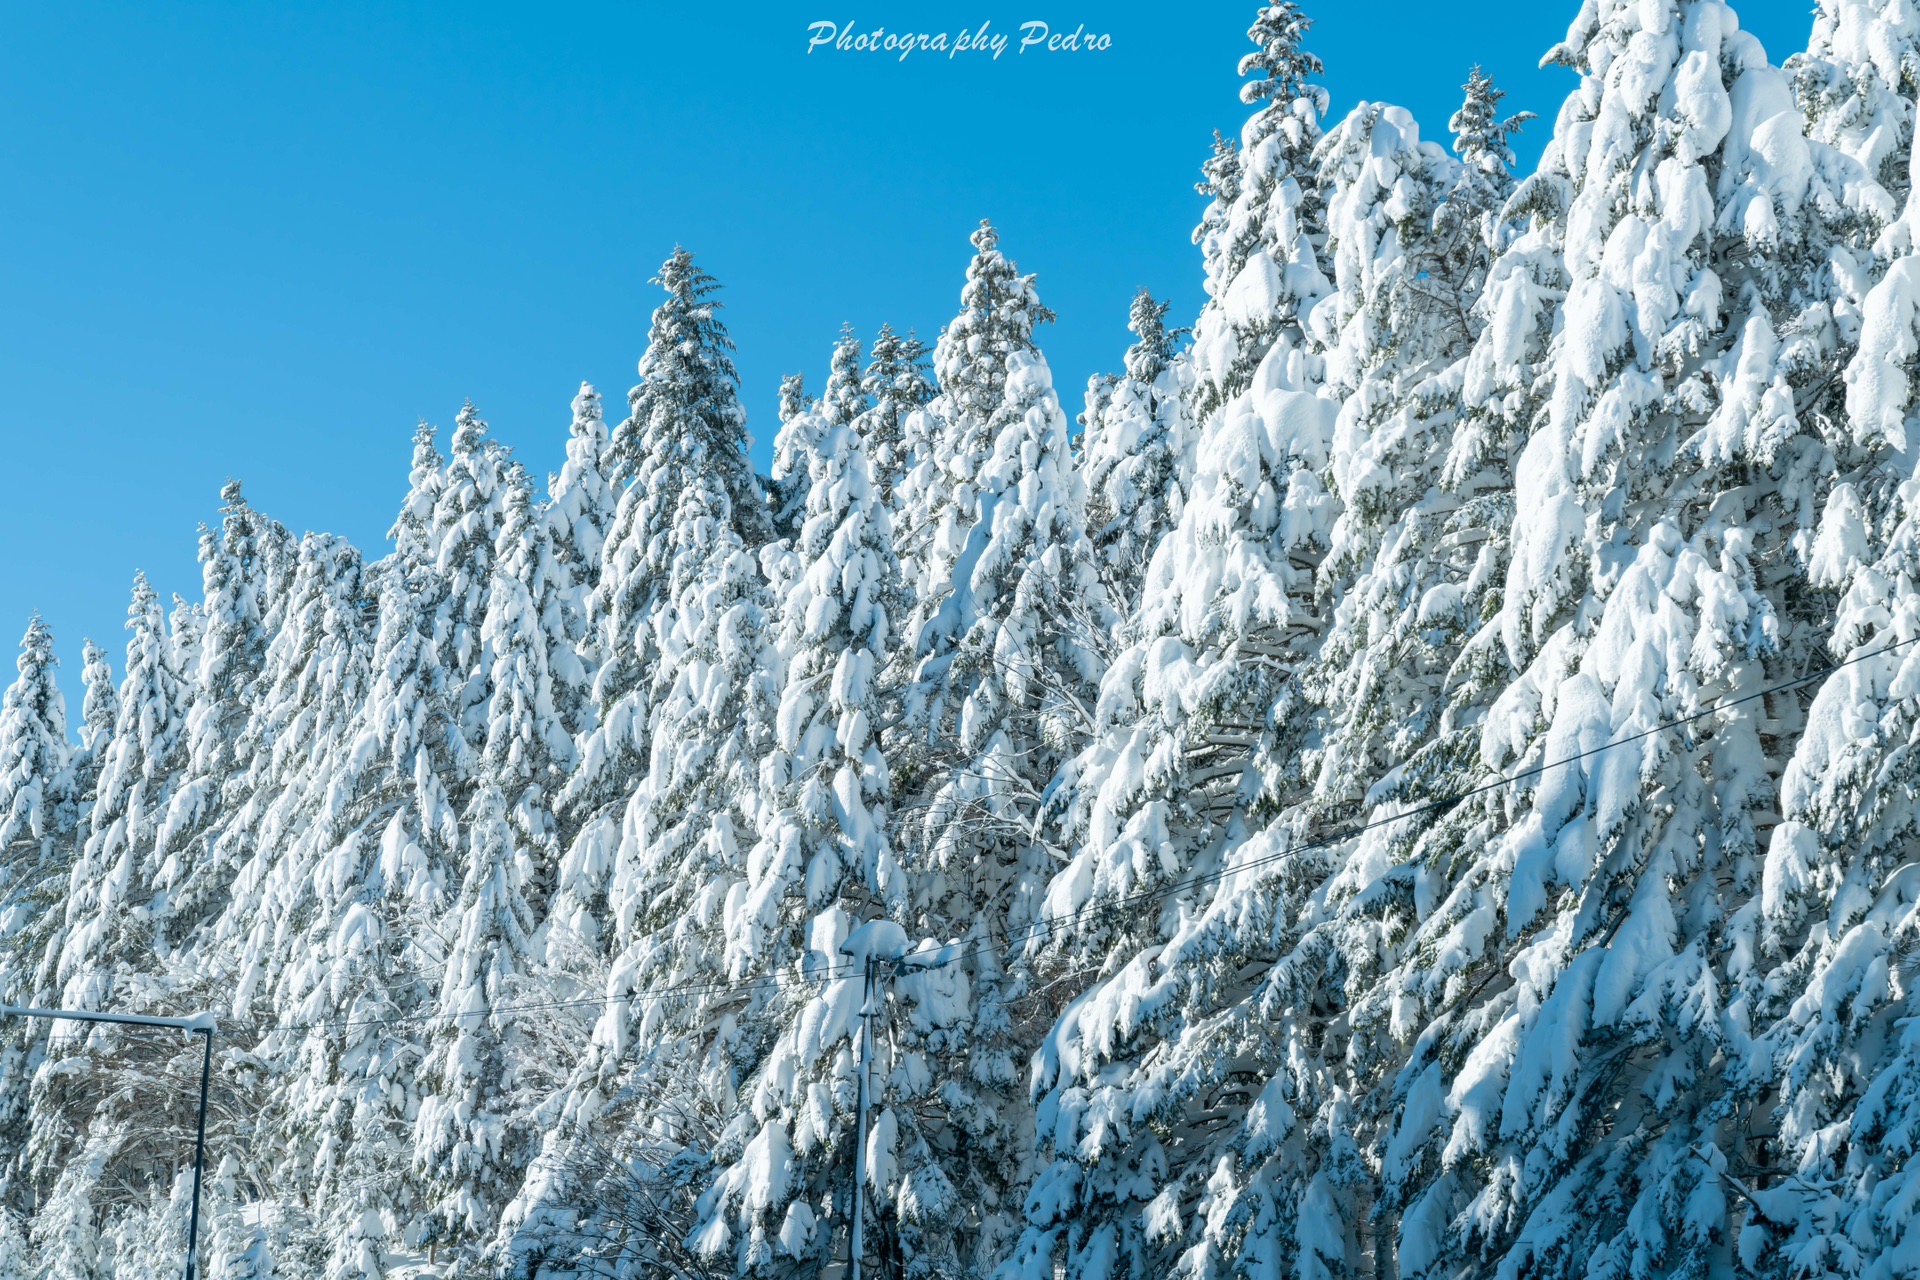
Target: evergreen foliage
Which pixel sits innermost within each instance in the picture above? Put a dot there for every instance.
(1423, 786)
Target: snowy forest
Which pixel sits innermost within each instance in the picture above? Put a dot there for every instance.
(1415, 779)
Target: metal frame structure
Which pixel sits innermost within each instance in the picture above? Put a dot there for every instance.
(201, 1024)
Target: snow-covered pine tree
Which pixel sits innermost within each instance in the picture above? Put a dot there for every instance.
(366, 907)
(107, 910)
(580, 504)
(410, 726)
(471, 1142)
(1482, 138)
(468, 513)
(578, 509)
(186, 629)
(1290, 1179)
(1410, 659)
(537, 684)
(468, 1148)
(103, 955)
(1513, 234)
(1004, 653)
(938, 504)
(145, 1239)
(935, 502)
(845, 398)
(239, 1249)
(685, 421)
(685, 836)
(1855, 85)
(679, 851)
(1604, 889)
(333, 921)
(99, 708)
(896, 383)
(1011, 651)
(1260, 239)
(1827, 1081)
(1412, 567)
(32, 919)
(424, 720)
(34, 754)
(308, 934)
(37, 823)
(823, 864)
(803, 422)
(1408, 268)
(65, 1239)
(1136, 452)
(794, 399)
(234, 644)
(1399, 307)
(242, 585)
(787, 486)
(1199, 726)
(314, 686)
(1220, 184)
(412, 533)
(1815, 950)
(1234, 582)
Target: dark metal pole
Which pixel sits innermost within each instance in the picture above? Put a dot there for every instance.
(856, 1241)
(199, 1156)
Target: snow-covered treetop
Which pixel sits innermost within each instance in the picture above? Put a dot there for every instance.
(101, 703)
(1480, 133)
(792, 444)
(1152, 348)
(686, 408)
(845, 397)
(412, 530)
(579, 499)
(794, 399)
(1283, 67)
(896, 383)
(33, 737)
(1220, 183)
(685, 417)
(999, 308)
(1133, 453)
(937, 501)
(1262, 233)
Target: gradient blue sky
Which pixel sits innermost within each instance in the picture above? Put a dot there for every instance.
(261, 240)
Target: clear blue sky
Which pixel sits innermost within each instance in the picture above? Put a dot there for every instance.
(262, 240)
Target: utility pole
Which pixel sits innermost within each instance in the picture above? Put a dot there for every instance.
(201, 1024)
(862, 1052)
(199, 1150)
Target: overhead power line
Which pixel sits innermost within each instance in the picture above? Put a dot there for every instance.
(1055, 924)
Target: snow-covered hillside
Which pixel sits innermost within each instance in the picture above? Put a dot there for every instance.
(1421, 785)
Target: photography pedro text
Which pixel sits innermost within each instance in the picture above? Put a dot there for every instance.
(1037, 36)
